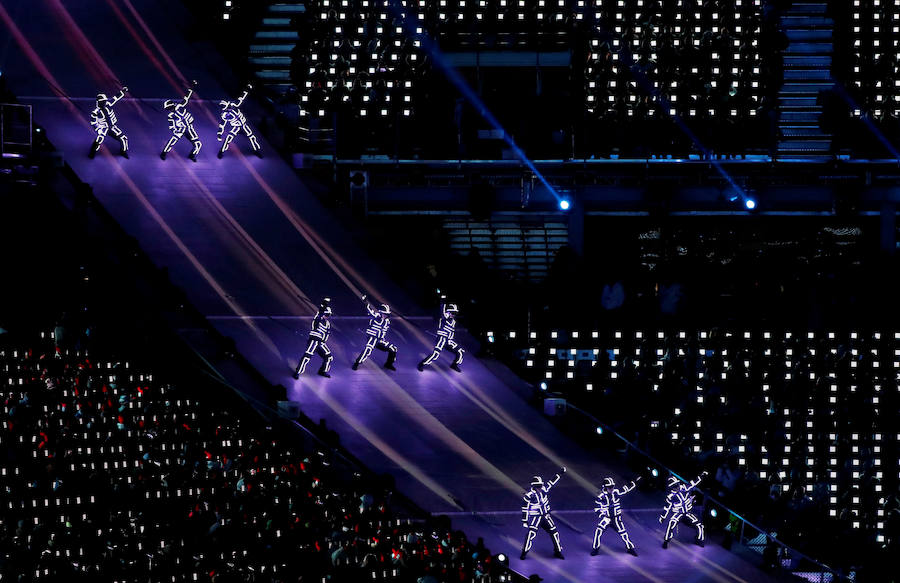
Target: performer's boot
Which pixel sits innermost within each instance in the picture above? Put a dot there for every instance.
(95, 147)
(124, 153)
(421, 366)
(455, 367)
(324, 373)
(700, 543)
(558, 555)
(632, 552)
(296, 373)
(162, 155)
(220, 154)
(355, 365)
(665, 544)
(522, 556)
(392, 356)
(193, 156)
(595, 552)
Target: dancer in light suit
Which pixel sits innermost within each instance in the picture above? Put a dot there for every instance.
(680, 502)
(318, 336)
(181, 121)
(234, 119)
(445, 333)
(608, 507)
(376, 335)
(536, 514)
(104, 121)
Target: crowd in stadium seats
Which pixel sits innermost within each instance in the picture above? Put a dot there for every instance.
(109, 474)
(361, 61)
(692, 71)
(865, 68)
(799, 424)
(712, 68)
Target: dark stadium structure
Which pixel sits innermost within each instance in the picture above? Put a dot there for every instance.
(657, 239)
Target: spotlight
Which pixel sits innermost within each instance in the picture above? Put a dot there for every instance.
(543, 386)
(599, 430)
(564, 204)
(654, 472)
(503, 560)
(750, 204)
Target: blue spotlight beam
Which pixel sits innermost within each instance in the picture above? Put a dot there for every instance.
(845, 95)
(411, 23)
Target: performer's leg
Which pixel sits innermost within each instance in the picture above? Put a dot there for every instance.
(620, 528)
(366, 352)
(229, 137)
(195, 142)
(458, 350)
(123, 139)
(698, 525)
(253, 143)
(598, 532)
(325, 353)
(170, 144)
(95, 147)
(550, 527)
(529, 541)
(392, 354)
(311, 347)
(438, 347)
(670, 529)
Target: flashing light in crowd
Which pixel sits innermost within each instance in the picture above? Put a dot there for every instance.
(599, 430)
(564, 204)
(490, 337)
(750, 204)
(543, 386)
(714, 513)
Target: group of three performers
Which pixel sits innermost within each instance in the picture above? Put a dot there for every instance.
(608, 507)
(376, 337)
(105, 121)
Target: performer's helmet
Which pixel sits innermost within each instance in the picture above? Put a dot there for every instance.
(168, 104)
(326, 311)
(673, 481)
(537, 481)
(452, 308)
(102, 97)
(385, 309)
(608, 483)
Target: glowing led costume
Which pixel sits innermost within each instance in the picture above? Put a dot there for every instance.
(445, 333)
(104, 121)
(181, 121)
(680, 502)
(233, 118)
(376, 333)
(316, 344)
(608, 507)
(536, 513)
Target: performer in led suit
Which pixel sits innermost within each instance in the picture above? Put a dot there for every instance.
(318, 336)
(536, 513)
(181, 121)
(379, 324)
(445, 333)
(104, 120)
(680, 502)
(233, 117)
(608, 507)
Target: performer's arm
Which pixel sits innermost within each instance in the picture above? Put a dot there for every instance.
(221, 131)
(697, 480)
(669, 500)
(187, 97)
(553, 482)
(243, 96)
(115, 99)
(372, 311)
(525, 508)
(629, 486)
